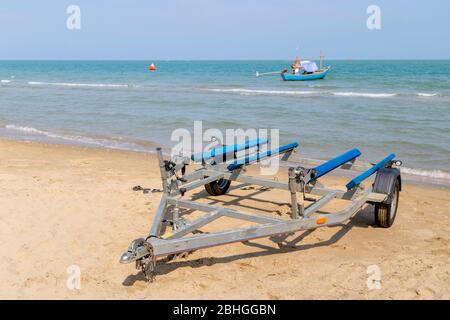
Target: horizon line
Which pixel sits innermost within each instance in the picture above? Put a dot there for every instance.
(272, 59)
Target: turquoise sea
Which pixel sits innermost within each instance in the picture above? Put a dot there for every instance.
(377, 106)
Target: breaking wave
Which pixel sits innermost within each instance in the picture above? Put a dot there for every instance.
(434, 174)
(70, 84)
(76, 139)
(263, 92)
(364, 95)
(374, 95)
(428, 94)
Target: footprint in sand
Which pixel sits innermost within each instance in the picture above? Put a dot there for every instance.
(273, 296)
(440, 252)
(425, 293)
(438, 241)
(246, 265)
(339, 246)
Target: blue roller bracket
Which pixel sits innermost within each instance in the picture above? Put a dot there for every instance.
(199, 157)
(336, 162)
(363, 176)
(248, 159)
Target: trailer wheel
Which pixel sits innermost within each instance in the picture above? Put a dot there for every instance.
(218, 187)
(385, 213)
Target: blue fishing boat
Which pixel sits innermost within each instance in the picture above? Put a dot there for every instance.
(305, 70)
(306, 76)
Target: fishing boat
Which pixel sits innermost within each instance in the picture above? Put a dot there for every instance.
(306, 76)
(305, 70)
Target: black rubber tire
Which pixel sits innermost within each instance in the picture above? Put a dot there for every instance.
(218, 187)
(385, 213)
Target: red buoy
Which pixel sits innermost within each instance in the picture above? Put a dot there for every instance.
(152, 67)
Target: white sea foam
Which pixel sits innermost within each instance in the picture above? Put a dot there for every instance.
(83, 140)
(420, 94)
(262, 92)
(70, 84)
(434, 174)
(364, 95)
(25, 129)
(34, 131)
(5, 81)
(291, 92)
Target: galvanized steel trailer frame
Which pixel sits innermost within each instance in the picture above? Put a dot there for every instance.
(221, 165)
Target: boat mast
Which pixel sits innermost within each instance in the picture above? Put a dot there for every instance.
(321, 60)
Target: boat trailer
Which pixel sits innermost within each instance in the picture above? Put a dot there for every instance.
(220, 166)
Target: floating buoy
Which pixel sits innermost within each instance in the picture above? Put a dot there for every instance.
(152, 67)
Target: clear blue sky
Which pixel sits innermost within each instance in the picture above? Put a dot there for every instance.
(224, 29)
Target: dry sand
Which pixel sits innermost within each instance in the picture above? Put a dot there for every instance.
(64, 205)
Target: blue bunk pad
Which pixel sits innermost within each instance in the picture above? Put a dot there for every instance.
(363, 176)
(227, 149)
(248, 159)
(336, 162)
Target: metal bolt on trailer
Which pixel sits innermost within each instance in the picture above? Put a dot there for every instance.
(220, 166)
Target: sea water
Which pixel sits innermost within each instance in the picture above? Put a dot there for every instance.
(378, 106)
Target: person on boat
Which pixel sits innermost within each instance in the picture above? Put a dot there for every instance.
(296, 65)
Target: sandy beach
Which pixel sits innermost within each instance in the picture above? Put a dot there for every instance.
(65, 205)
